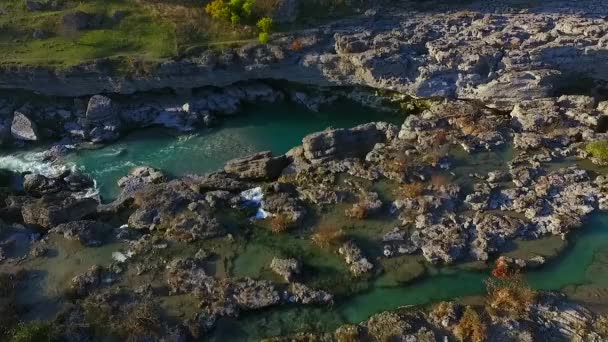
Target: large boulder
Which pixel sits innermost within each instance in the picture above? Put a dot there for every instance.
(260, 166)
(100, 108)
(341, 143)
(23, 128)
(52, 210)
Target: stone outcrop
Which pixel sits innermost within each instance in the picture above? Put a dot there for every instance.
(99, 109)
(260, 166)
(51, 210)
(346, 142)
(477, 51)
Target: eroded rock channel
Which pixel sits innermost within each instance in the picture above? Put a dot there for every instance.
(266, 209)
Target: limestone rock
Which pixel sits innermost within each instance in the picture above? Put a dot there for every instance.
(286, 268)
(260, 166)
(343, 143)
(51, 210)
(89, 233)
(24, 128)
(100, 109)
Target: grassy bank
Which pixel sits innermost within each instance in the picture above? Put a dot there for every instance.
(131, 30)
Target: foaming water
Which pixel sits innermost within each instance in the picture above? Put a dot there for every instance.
(33, 162)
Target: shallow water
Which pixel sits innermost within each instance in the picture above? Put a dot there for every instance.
(584, 263)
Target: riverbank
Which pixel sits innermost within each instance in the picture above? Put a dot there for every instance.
(500, 53)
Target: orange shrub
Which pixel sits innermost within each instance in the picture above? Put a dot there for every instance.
(280, 223)
(327, 236)
(471, 327)
(509, 297)
(411, 190)
(296, 45)
(358, 211)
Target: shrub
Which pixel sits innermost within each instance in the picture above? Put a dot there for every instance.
(264, 38)
(265, 25)
(411, 190)
(33, 332)
(233, 10)
(280, 223)
(218, 9)
(501, 270)
(398, 164)
(470, 327)
(296, 45)
(358, 211)
(598, 149)
(509, 297)
(327, 236)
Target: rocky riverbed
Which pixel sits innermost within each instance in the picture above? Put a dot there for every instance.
(498, 155)
(183, 236)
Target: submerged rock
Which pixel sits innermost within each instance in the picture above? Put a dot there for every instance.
(89, 233)
(286, 268)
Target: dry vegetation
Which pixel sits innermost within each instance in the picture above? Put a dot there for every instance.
(358, 211)
(328, 236)
(280, 223)
(398, 164)
(143, 319)
(509, 297)
(411, 190)
(471, 327)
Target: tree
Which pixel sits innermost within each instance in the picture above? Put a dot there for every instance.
(218, 9)
(235, 19)
(248, 7)
(265, 25)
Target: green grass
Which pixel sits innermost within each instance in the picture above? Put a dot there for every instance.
(151, 31)
(33, 332)
(139, 33)
(598, 149)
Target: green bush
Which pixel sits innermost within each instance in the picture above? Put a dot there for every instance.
(598, 149)
(265, 25)
(264, 37)
(233, 10)
(33, 332)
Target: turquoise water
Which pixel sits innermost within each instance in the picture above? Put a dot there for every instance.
(578, 265)
(276, 127)
(582, 263)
